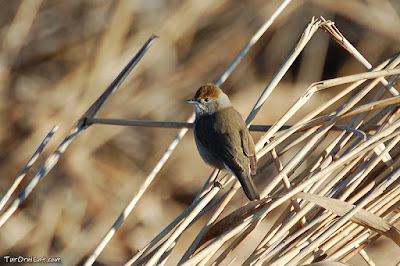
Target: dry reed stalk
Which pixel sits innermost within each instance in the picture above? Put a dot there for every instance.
(355, 162)
(321, 168)
(312, 27)
(78, 128)
(6, 196)
(297, 187)
(223, 77)
(352, 231)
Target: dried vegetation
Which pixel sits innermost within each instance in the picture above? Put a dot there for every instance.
(327, 165)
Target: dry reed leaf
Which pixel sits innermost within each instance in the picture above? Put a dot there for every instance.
(363, 217)
(232, 220)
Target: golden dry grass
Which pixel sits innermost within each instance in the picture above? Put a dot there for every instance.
(57, 57)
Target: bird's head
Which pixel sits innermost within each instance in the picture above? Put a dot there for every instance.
(208, 100)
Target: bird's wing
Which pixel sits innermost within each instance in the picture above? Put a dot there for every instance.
(248, 149)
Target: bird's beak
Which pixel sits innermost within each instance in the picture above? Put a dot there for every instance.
(192, 101)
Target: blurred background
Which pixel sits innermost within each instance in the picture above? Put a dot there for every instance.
(57, 57)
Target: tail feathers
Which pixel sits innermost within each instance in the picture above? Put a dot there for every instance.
(248, 186)
(246, 181)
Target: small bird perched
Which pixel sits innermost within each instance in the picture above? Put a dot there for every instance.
(222, 137)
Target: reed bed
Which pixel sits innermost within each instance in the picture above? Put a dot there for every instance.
(327, 171)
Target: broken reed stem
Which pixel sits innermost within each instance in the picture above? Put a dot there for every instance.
(26, 168)
(43, 171)
(334, 32)
(305, 38)
(78, 128)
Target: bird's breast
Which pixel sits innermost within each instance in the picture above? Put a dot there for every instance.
(205, 152)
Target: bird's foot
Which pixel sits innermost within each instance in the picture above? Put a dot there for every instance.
(218, 184)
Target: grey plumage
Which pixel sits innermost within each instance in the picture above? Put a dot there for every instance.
(223, 139)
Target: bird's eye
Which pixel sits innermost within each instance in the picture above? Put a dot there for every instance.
(207, 100)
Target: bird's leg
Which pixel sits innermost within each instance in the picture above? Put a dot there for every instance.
(216, 181)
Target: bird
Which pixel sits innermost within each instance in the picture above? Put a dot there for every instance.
(222, 137)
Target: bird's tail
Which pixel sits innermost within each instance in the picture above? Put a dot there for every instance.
(248, 186)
